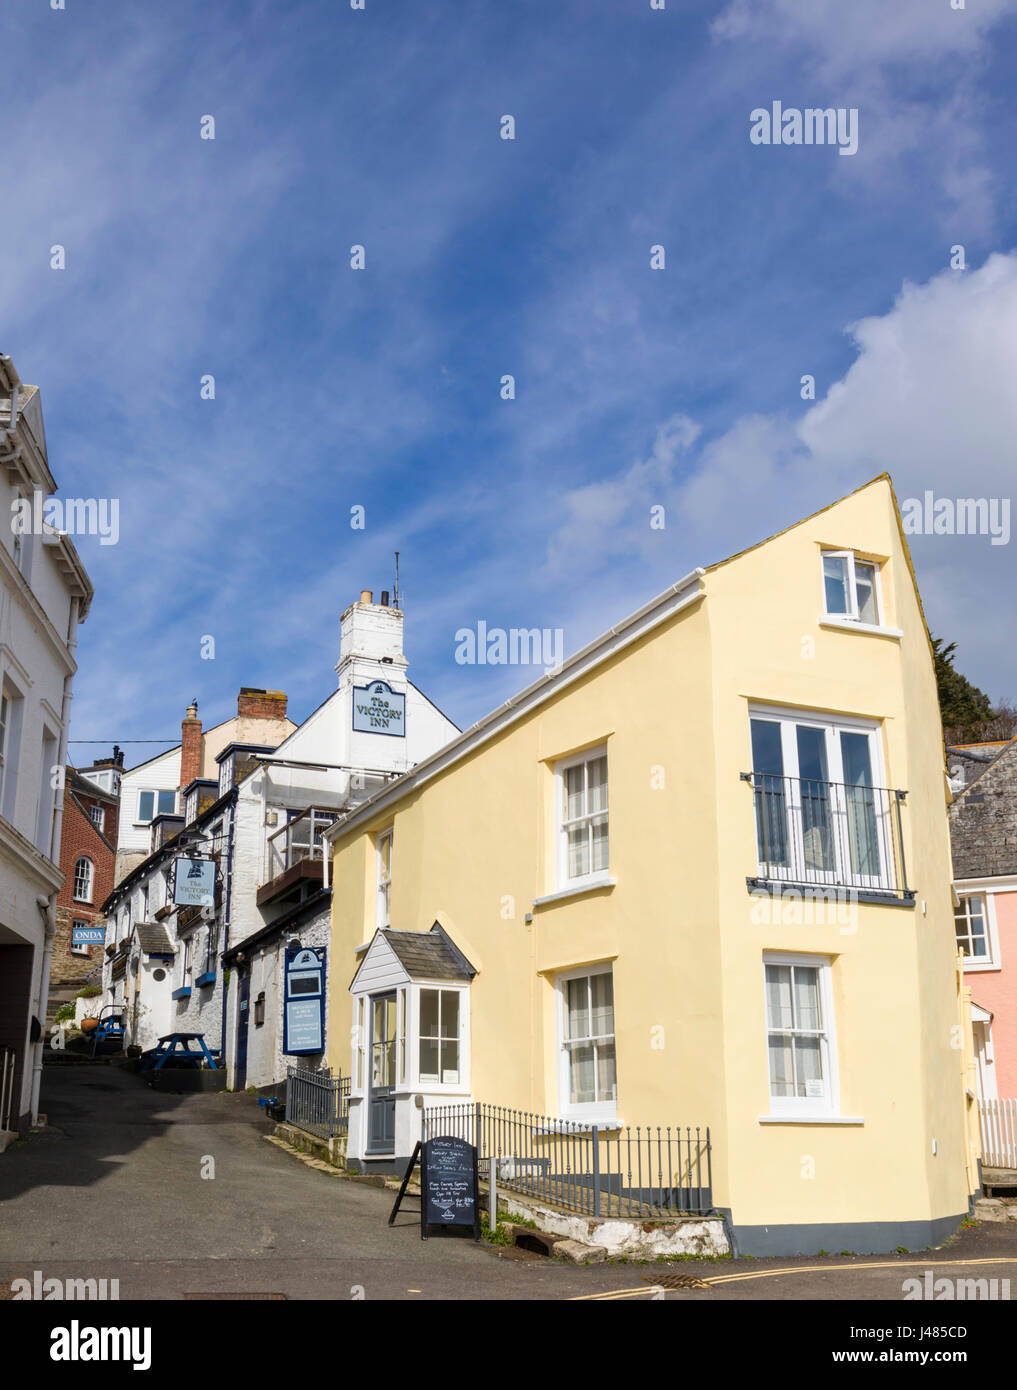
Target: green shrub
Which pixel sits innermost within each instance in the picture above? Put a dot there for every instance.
(64, 1014)
(89, 992)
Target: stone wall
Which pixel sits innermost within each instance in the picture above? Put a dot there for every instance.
(983, 821)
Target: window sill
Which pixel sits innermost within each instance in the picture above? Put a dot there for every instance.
(207, 979)
(184, 993)
(589, 886)
(849, 625)
(811, 1119)
(571, 1124)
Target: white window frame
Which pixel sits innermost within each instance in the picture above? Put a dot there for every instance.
(596, 876)
(993, 960)
(82, 949)
(13, 699)
(23, 548)
(185, 962)
(359, 1046)
(383, 896)
(805, 1106)
(414, 1040)
(402, 1020)
(97, 816)
(89, 880)
(832, 725)
(852, 615)
(156, 792)
(594, 1111)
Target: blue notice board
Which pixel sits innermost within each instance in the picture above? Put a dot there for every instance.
(304, 1004)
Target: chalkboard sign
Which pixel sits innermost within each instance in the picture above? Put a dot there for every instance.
(449, 1193)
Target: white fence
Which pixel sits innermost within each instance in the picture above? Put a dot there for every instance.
(999, 1133)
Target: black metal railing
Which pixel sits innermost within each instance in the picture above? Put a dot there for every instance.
(598, 1170)
(829, 834)
(318, 1101)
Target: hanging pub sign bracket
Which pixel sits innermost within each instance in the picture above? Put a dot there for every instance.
(194, 881)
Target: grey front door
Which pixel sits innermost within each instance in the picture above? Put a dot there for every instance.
(381, 1106)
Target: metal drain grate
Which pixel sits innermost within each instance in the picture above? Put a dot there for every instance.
(676, 1281)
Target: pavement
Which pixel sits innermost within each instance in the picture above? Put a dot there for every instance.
(182, 1197)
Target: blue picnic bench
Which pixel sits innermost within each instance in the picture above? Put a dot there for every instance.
(178, 1045)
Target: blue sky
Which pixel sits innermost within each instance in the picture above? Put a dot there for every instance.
(380, 387)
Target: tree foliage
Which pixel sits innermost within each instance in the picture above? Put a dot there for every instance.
(968, 714)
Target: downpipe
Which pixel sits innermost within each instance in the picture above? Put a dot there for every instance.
(45, 906)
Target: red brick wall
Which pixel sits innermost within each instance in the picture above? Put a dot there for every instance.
(80, 837)
(190, 749)
(261, 704)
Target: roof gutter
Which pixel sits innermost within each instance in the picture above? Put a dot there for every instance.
(614, 640)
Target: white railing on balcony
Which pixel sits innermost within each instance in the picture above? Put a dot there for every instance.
(300, 838)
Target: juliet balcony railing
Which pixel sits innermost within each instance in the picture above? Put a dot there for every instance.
(298, 839)
(833, 835)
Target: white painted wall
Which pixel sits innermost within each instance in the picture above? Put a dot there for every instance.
(36, 620)
(161, 773)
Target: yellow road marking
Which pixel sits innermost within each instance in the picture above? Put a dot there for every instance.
(612, 1294)
(618, 1293)
(883, 1264)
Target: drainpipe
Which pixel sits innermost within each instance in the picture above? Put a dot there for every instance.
(47, 906)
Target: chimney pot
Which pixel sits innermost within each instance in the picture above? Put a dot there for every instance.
(367, 596)
(384, 598)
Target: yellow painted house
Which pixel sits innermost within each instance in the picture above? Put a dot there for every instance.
(699, 875)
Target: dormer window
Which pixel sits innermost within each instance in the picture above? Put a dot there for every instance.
(851, 588)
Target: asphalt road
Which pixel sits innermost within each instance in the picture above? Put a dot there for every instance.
(113, 1188)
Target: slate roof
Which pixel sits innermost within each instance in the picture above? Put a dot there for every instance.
(153, 939)
(87, 788)
(430, 955)
(983, 818)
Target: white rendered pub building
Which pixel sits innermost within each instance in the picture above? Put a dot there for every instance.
(222, 970)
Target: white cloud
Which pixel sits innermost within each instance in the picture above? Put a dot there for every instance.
(864, 31)
(602, 517)
(928, 399)
(878, 57)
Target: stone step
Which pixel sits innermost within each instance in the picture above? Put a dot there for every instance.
(995, 1209)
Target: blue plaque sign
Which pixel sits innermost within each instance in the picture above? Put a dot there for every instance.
(304, 1005)
(378, 709)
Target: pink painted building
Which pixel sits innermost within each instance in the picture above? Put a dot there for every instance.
(983, 832)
